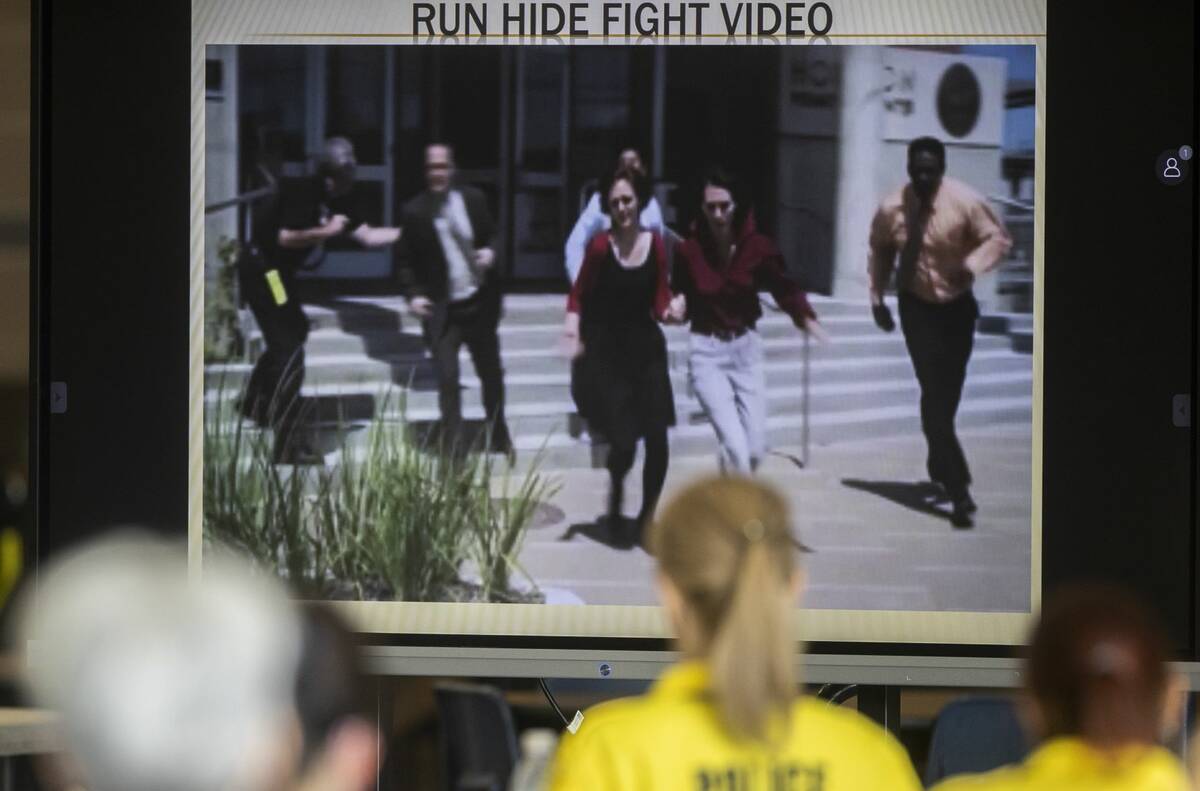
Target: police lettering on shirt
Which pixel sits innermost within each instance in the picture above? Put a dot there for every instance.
(780, 777)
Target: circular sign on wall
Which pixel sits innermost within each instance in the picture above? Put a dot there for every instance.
(958, 100)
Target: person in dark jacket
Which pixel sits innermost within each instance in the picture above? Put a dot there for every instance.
(289, 234)
(452, 284)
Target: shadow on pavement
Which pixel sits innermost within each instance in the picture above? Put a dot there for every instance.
(622, 535)
(922, 497)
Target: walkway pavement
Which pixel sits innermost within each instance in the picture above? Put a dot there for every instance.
(880, 542)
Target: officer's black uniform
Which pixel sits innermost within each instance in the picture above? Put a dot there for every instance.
(267, 276)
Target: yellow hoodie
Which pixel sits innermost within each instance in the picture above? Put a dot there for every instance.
(1070, 764)
(672, 738)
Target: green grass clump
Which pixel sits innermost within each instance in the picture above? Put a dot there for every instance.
(393, 515)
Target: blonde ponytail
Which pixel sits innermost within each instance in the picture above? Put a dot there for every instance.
(751, 653)
(726, 544)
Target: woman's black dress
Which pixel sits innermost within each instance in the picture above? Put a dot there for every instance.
(622, 386)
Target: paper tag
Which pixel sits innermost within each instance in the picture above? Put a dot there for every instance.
(575, 722)
(277, 289)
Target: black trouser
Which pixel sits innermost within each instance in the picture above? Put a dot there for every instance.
(939, 339)
(272, 395)
(470, 323)
(654, 473)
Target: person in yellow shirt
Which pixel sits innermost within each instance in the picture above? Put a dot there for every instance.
(728, 717)
(1100, 696)
(1194, 761)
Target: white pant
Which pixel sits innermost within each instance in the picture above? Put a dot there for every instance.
(730, 383)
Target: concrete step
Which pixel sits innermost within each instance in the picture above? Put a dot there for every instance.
(533, 336)
(366, 360)
(786, 431)
(538, 420)
(383, 326)
(405, 335)
(550, 374)
(1005, 323)
(543, 418)
(558, 451)
(531, 352)
(360, 314)
(390, 313)
(1018, 327)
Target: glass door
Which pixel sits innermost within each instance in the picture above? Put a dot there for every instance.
(350, 96)
(540, 163)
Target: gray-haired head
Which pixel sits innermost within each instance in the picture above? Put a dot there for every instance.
(338, 165)
(162, 683)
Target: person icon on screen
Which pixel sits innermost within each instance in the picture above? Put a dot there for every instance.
(1171, 171)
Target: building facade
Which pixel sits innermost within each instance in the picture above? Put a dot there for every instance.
(818, 133)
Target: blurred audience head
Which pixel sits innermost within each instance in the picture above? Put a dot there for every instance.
(161, 683)
(729, 580)
(341, 742)
(1097, 669)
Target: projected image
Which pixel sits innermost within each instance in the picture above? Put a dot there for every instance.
(471, 313)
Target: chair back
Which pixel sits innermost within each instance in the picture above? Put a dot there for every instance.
(479, 739)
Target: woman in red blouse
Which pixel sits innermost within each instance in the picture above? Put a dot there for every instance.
(720, 269)
(621, 384)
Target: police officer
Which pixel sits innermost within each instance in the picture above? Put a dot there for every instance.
(728, 716)
(290, 233)
(1100, 700)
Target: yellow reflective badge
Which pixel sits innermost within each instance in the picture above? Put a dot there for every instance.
(12, 552)
(277, 289)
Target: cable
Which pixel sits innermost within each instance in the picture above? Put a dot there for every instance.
(843, 694)
(553, 703)
(573, 724)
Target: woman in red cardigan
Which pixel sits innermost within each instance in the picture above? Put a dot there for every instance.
(721, 268)
(621, 383)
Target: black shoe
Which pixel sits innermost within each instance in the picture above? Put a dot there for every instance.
(937, 492)
(641, 532)
(960, 496)
(616, 498)
(962, 506)
(503, 445)
(645, 519)
(621, 532)
(252, 408)
(630, 533)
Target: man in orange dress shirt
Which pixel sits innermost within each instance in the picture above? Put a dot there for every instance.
(944, 235)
